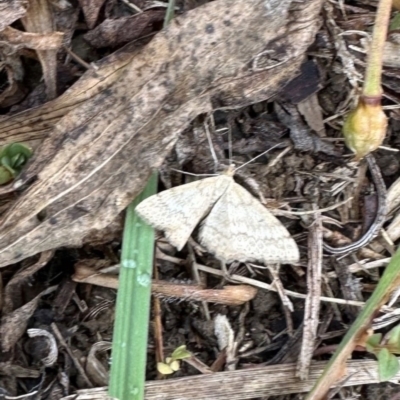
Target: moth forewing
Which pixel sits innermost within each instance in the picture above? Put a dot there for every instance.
(179, 210)
(235, 227)
(240, 228)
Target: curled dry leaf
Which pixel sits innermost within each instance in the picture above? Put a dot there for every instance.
(113, 32)
(91, 9)
(50, 340)
(95, 368)
(225, 54)
(11, 10)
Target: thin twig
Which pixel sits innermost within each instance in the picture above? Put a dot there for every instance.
(77, 364)
(312, 303)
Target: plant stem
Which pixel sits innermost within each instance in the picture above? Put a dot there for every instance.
(372, 81)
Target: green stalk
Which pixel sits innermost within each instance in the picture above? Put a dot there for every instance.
(336, 366)
(169, 15)
(129, 348)
(372, 80)
(131, 327)
(364, 128)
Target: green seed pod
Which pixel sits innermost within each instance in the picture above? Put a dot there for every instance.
(365, 128)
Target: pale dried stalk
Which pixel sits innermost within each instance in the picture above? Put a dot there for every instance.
(229, 295)
(39, 19)
(274, 380)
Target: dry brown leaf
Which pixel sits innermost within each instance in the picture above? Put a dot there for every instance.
(14, 90)
(36, 123)
(14, 291)
(311, 110)
(9, 369)
(14, 324)
(225, 54)
(91, 9)
(114, 32)
(65, 15)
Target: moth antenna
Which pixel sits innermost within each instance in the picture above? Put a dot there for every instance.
(230, 145)
(210, 143)
(190, 173)
(265, 152)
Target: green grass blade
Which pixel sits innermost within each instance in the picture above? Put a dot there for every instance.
(129, 347)
(169, 15)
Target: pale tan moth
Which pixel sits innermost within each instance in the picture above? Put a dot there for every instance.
(234, 225)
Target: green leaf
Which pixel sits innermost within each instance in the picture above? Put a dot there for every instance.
(180, 353)
(388, 365)
(373, 342)
(18, 154)
(18, 160)
(395, 23)
(5, 161)
(132, 315)
(394, 339)
(14, 149)
(5, 175)
(164, 369)
(175, 365)
(12, 158)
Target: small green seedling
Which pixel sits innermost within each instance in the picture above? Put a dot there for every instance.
(395, 23)
(385, 350)
(12, 159)
(172, 364)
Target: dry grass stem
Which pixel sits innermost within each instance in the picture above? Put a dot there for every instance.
(312, 303)
(274, 380)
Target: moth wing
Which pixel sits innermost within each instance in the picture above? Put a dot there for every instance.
(240, 228)
(177, 211)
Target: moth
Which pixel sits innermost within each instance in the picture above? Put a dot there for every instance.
(234, 225)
